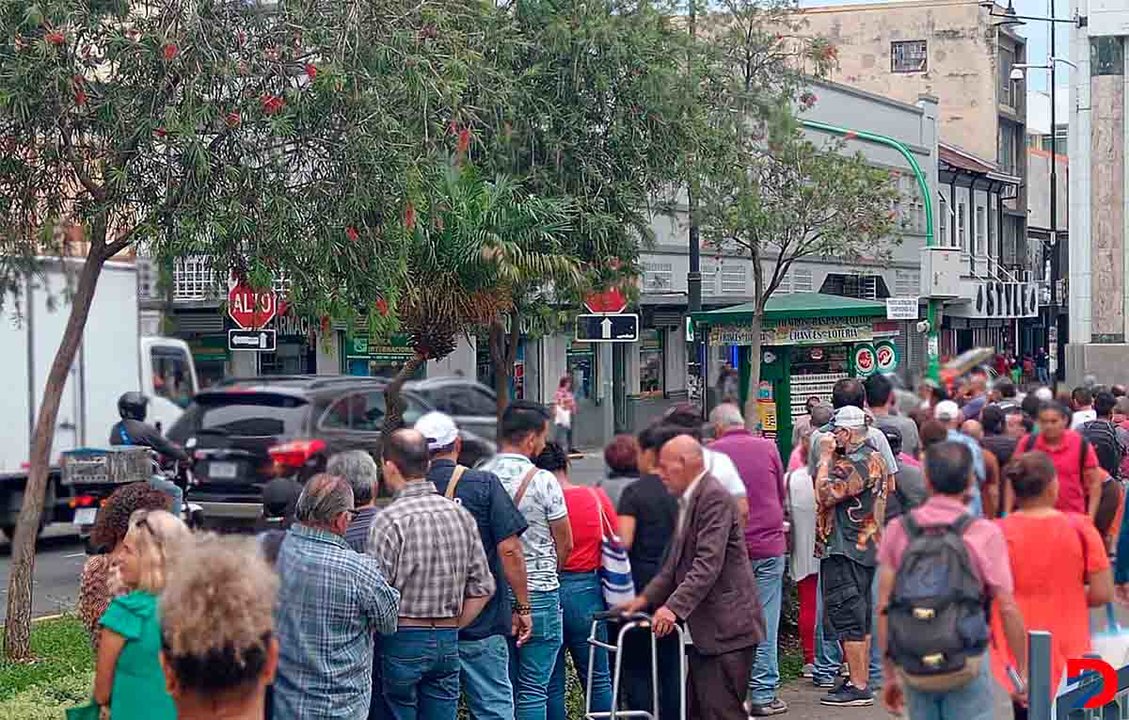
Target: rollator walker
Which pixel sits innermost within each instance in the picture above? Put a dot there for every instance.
(634, 621)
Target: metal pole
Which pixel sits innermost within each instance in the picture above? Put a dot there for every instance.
(694, 275)
(1052, 311)
(933, 369)
(1039, 675)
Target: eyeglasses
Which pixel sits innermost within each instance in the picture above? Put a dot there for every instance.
(352, 513)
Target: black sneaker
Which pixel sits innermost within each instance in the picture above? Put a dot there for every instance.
(848, 696)
(827, 683)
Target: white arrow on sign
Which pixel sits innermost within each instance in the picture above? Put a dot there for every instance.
(263, 341)
(606, 328)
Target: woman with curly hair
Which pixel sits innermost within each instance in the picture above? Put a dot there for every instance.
(127, 672)
(99, 583)
(217, 630)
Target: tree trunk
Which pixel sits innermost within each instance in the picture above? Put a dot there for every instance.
(503, 354)
(752, 415)
(393, 402)
(17, 630)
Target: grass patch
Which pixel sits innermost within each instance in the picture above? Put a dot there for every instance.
(61, 675)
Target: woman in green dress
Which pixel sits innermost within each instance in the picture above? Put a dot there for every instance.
(128, 676)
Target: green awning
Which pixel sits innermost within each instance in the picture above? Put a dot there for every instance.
(796, 306)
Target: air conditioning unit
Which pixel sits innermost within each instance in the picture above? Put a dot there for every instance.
(940, 272)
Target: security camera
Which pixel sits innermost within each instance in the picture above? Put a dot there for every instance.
(923, 326)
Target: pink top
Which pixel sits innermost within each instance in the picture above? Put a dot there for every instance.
(796, 459)
(986, 544)
(907, 459)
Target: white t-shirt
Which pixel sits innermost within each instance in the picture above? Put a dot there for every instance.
(801, 508)
(542, 503)
(721, 467)
(1081, 417)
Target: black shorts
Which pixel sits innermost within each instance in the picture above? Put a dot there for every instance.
(848, 606)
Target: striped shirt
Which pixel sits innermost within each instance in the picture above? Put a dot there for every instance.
(358, 531)
(430, 549)
(330, 601)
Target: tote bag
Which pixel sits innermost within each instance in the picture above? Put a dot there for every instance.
(615, 568)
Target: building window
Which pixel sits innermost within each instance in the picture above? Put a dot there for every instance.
(1007, 148)
(993, 228)
(907, 56)
(733, 279)
(1107, 56)
(657, 276)
(1008, 88)
(981, 248)
(962, 230)
(943, 210)
(651, 362)
(801, 280)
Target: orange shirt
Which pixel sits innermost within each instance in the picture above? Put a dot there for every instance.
(584, 519)
(1048, 564)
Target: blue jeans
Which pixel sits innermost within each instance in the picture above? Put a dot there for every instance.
(828, 653)
(531, 665)
(766, 670)
(874, 681)
(581, 598)
(486, 678)
(974, 701)
(168, 487)
(421, 673)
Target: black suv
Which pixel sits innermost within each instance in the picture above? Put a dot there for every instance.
(243, 433)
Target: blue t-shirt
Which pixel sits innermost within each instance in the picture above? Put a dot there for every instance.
(483, 496)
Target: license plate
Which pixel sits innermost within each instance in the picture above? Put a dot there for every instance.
(223, 470)
(85, 516)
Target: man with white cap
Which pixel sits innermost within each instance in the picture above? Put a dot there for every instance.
(948, 413)
(851, 486)
(483, 645)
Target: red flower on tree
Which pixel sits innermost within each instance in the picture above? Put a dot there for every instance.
(311, 71)
(55, 38)
(79, 97)
(271, 104)
(160, 132)
(170, 51)
(232, 119)
(382, 307)
(324, 324)
(463, 142)
(410, 216)
(352, 234)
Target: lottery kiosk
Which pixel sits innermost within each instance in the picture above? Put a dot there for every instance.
(809, 341)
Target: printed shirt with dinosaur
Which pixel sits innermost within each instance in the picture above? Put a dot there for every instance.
(851, 503)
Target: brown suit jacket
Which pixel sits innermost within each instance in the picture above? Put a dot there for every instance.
(707, 579)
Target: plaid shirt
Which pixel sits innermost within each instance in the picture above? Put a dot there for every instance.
(330, 601)
(430, 550)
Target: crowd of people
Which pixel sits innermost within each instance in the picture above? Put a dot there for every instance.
(914, 535)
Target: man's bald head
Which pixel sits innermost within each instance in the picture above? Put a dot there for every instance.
(973, 429)
(680, 461)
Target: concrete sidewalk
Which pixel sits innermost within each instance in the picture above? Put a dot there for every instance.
(803, 704)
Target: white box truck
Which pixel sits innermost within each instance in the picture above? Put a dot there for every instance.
(112, 359)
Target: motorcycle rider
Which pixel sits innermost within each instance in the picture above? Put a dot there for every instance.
(133, 430)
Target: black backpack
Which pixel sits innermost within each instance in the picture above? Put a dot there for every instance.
(938, 611)
(1103, 436)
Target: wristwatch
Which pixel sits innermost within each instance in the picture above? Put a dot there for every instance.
(520, 609)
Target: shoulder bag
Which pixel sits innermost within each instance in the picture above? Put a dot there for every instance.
(615, 567)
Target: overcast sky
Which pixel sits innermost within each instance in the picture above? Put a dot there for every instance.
(1037, 35)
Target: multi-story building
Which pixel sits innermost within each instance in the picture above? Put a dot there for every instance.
(1098, 281)
(960, 53)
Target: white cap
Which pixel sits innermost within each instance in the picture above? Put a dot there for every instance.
(849, 416)
(1044, 394)
(946, 410)
(439, 429)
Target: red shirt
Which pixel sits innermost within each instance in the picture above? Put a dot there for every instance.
(1068, 468)
(584, 519)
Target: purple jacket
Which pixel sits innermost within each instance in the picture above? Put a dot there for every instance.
(758, 463)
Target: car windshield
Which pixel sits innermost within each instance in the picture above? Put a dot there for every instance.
(241, 414)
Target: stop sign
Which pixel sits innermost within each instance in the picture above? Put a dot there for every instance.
(249, 308)
(609, 301)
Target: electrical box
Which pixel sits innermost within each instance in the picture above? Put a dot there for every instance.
(940, 272)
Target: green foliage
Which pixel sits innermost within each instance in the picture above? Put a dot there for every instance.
(62, 650)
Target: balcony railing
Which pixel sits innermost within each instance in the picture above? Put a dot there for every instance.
(193, 280)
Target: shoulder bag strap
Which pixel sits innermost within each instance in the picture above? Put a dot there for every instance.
(605, 524)
(454, 483)
(1082, 448)
(1029, 444)
(910, 525)
(525, 480)
(962, 523)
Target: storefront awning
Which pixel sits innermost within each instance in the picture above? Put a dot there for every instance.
(795, 306)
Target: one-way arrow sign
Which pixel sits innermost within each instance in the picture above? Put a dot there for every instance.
(259, 340)
(622, 327)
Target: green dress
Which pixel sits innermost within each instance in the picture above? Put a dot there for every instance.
(139, 683)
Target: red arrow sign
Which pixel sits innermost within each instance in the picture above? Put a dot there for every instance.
(610, 301)
(251, 309)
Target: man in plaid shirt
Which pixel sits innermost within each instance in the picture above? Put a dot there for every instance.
(331, 600)
(430, 549)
